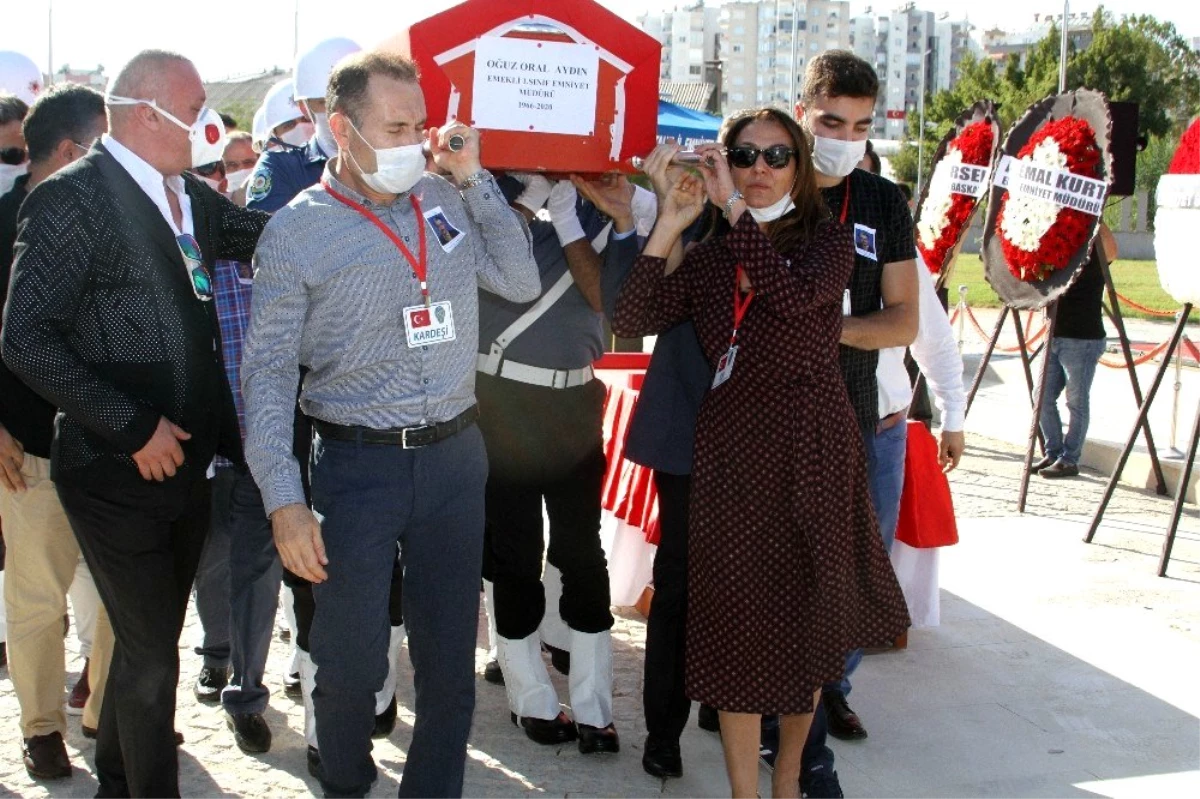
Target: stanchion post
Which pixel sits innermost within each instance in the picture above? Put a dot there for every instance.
(1175, 399)
(1143, 412)
(1118, 321)
(987, 356)
(1035, 431)
(1180, 496)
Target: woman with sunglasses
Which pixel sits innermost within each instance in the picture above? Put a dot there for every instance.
(787, 571)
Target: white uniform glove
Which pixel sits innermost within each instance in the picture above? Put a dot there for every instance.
(561, 206)
(537, 190)
(645, 210)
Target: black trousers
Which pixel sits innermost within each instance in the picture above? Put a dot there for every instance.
(544, 444)
(142, 546)
(664, 702)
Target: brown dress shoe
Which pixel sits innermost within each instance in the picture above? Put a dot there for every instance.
(1060, 469)
(46, 757)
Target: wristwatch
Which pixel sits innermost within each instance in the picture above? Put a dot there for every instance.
(475, 179)
(737, 195)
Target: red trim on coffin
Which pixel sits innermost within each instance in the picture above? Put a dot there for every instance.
(501, 149)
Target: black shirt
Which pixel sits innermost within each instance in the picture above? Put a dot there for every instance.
(883, 234)
(1080, 309)
(23, 412)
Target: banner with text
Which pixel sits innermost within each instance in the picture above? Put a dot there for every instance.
(960, 178)
(1064, 189)
(538, 86)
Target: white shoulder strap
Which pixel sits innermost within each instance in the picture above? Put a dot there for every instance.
(525, 321)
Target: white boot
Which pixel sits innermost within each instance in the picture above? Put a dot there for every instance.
(552, 629)
(530, 692)
(489, 608)
(388, 692)
(591, 678)
(308, 681)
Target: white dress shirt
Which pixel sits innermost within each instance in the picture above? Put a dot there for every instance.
(936, 352)
(151, 181)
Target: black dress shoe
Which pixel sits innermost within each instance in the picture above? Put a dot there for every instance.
(560, 659)
(250, 732)
(820, 783)
(46, 757)
(1042, 464)
(844, 723)
(493, 673)
(385, 722)
(292, 687)
(662, 758)
(210, 683)
(598, 740)
(3, 654)
(708, 718)
(558, 730)
(1060, 469)
(314, 762)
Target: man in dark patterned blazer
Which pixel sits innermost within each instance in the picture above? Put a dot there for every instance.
(110, 318)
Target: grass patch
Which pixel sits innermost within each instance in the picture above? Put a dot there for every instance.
(1137, 280)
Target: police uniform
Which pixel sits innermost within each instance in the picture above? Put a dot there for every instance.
(280, 175)
(541, 414)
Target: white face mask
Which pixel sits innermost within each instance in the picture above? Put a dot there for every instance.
(299, 135)
(836, 158)
(215, 185)
(234, 180)
(397, 169)
(207, 133)
(9, 175)
(774, 210)
(325, 138)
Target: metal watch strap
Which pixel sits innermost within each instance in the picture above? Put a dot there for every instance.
(474, 180)
(737, 195)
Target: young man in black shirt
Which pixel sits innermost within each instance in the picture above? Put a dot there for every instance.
(1079, 340)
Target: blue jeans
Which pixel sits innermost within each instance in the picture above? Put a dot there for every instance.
(254, 576)
(1072, 366)
(430, 500)
(885, 474)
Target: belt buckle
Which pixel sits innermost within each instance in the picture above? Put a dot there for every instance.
(554, 378)
(404, 437)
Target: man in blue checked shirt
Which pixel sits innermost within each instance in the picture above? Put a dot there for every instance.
(237, 583)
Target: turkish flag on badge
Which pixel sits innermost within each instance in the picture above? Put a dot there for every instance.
(212, 134)
(419, 318)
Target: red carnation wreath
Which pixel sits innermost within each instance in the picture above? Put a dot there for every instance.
(1037, 236)
(944, 213)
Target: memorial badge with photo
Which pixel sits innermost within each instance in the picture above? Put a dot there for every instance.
(447, 234)
(864, 241)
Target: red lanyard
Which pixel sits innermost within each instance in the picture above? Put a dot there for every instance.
(740, 305)
(846, 201)
(419, 266)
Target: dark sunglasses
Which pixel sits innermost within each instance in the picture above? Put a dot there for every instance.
(744, 156)
(197, 272)
(13, 156)
(208, 170)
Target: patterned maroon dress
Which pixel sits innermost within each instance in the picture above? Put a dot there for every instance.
(787, 572)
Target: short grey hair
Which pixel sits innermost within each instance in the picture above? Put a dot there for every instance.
(144, 76)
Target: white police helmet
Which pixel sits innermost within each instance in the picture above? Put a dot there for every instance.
(19, 75)
(280, 105)
(259, 132)
(311, 73)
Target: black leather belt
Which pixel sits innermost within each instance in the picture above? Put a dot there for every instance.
(405, 437)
